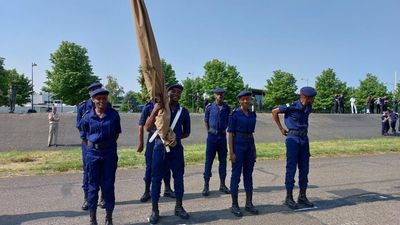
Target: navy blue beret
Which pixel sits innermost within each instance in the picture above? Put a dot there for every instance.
(219, 90)
(308, 91)
(243, 93)
(99, 91)
(94, 86)
(175, 86)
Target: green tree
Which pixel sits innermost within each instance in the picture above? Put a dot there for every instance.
(115, 90)
(22, 85)
(3, 83)
(191, 96)
(70, 75)
(327, 85)
(370, 86)
(280, 89)
(169, 75)
(131, 102)
(220, 74)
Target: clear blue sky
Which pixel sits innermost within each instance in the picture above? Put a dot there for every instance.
(303, 37)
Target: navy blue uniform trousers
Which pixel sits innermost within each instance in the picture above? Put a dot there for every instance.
(161, 161)
(297, 155)
(245, 160)
(102, 165)
(149, 159)
(216, 143)
(85, 180)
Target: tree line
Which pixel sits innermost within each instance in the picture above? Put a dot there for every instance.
(72, 72)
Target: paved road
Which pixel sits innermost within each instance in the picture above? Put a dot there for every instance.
(347, 191)
(29, 131)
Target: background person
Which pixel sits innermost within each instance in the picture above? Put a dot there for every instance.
(54, 118)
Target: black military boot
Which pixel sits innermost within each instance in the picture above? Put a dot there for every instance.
(93, 218)
(180, 211)
(109, 218)
(223, 188)
(85, 205)
(168, 192)
(102, 203)
(206, 189)
(146, 195)
(289, 199)
(303, 199)
(155, 214)
(249, 203)
(235, 206)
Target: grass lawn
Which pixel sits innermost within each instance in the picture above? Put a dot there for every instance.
(17, 163)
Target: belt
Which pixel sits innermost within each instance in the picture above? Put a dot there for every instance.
(300, 133)
(216, 132)
(244, 135)
(100, 146)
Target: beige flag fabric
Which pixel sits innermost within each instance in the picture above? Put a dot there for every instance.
(152, 70)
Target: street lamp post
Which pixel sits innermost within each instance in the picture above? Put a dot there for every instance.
(306, 80)
(193, 97)
(33, 64)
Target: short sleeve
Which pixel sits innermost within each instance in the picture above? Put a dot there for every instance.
(143, 116)
(283, 108)
(232, 123)
(186, 121)
(207, 114)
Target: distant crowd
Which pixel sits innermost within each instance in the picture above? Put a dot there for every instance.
(377, 105)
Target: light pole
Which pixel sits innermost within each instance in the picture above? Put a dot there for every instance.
(305, 79)
(192, 75)
(33, 64)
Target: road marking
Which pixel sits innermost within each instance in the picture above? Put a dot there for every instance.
(305, 209)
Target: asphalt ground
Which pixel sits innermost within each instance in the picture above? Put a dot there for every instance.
(346, 191)
(30, 131)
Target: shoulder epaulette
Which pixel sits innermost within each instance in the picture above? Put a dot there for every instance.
(85, 113)
(208, 105)
(83, 102)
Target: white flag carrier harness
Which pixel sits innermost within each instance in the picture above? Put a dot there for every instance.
(178, 114)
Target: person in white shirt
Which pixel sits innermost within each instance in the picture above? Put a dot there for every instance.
(54, 118)
(353, 105)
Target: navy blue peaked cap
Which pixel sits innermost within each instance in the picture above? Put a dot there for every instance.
(243, 93)
(175, 86)
(308, 91)
(219, 90)
(94, 86)
(99, 91)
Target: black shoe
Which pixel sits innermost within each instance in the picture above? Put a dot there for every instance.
(109, 219)
(235, 206)
(85, 205)
(206, 190)
(102, 203)
(249, 203)
(180, 211)
(155, 214)
(303, 199)
(169, 193)
(224, 189)
(145, 197)
(289, 200)
(93, 218)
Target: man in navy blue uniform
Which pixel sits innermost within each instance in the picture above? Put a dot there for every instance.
(242, 152)
(101, 127)
(385, 123)
(216, 120)
(147, 109)
(84, 107)
(162, 156)
(393, 119)
(297, 143)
